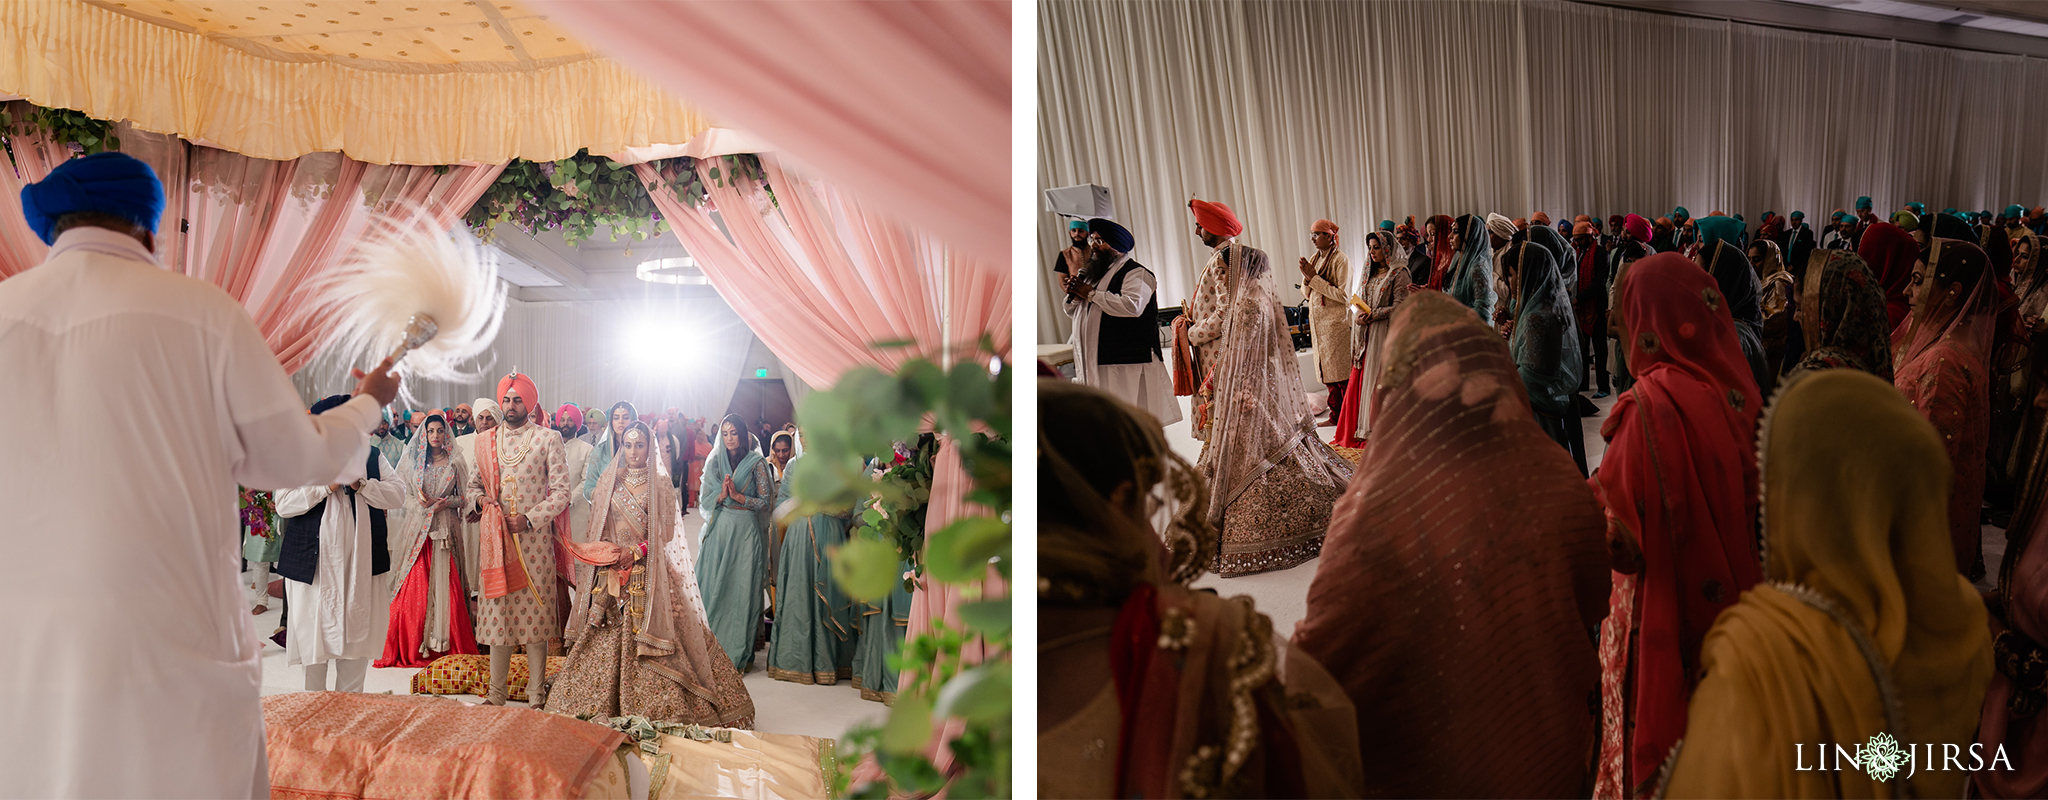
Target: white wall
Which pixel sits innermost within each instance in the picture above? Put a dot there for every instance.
(1361, 111)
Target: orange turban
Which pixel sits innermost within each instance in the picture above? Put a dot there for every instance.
(524, 385)
(1582, 228)
(1540, 218)
(1325, 226)
(1215, 218)
(1582, 218)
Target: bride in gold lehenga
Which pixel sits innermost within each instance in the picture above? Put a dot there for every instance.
(1274, 479)
(642, 645)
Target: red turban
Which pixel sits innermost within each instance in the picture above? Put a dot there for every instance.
(570, 412)
(526, 391)
(1215, 218)
(1637, 227)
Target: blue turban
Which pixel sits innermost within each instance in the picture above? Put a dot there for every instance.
(114, 184)
(1680, 213)
(1798, 215)
(1862, 203)
(1918, 209)
(329, 402)
(1077, 223)
(1387, 225)
(1112, 234)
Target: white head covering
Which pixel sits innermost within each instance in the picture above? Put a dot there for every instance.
(1500, 226)
(482, 404)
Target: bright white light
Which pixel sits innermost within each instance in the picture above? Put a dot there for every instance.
(664, 344)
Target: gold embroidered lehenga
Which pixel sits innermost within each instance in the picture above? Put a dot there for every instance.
(642, 645)
(1273, 477)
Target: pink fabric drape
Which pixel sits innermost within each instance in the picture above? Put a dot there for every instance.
(257, 228)
(34, 156)
(907, 100)
(820, 279)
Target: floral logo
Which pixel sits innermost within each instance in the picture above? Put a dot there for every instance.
(1882, 758)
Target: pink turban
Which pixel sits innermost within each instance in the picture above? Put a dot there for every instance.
(570, 412)
(1637, 227)
(1215, 218)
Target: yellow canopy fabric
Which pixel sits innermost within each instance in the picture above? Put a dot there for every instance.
(384, 81)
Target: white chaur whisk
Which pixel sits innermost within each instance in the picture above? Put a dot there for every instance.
(425, 296)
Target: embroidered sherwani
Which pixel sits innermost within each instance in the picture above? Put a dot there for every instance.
(1329, 315)
(534, 478)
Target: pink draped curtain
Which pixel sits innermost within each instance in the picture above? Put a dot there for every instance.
(34, 156)
(820, 278)
(906, 100)
(259, 229)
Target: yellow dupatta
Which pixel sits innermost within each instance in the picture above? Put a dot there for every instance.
(1866, 628)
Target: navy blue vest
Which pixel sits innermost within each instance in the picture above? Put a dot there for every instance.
(299, 557)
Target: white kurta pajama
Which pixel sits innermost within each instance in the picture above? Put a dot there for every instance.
(576, 454)
(464, 452)
(344, 613)
(1147, 386)
(135, 672)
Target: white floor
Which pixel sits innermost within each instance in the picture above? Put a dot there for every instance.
(779, 706)
(1283, 594)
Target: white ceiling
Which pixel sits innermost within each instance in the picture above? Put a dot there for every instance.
(2004, 18)
(546, 267)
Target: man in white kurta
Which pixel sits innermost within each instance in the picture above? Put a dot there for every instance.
(485, 417)
(341, 616)
(576, 455)
(134, 671)
(1115, 313)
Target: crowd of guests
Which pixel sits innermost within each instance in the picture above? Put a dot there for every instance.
(498, 527)
(1778, 547)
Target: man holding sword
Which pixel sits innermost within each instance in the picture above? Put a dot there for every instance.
(518, 491)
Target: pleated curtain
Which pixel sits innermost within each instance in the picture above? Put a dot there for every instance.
(258, 228)
(1291, 112)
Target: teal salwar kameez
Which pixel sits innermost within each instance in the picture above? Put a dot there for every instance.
(733, 567)
(815, 624)
(882, 629)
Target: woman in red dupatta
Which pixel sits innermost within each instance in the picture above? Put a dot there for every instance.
(1943, 355)
(1891, 252)
(1462, 578)
(1679, 482)
(1441, 250)
(1148, 688)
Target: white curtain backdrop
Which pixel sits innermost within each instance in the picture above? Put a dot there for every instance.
(588, 353)
(1293, 111)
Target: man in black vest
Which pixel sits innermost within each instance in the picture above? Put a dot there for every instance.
(1115, 309)
(336, 567)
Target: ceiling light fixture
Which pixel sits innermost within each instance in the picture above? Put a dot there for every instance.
(681, 271)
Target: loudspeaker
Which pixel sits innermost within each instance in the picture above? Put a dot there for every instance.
(1086, 201)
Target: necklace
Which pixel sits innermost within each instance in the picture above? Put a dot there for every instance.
(521, 442)
(636, 477)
